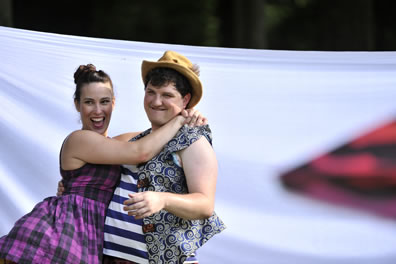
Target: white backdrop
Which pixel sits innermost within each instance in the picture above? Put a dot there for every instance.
(269, 111)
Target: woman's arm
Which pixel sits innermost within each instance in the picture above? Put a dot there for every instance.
(84, 146)
(193, 118)
(126, 136)
(200, 167)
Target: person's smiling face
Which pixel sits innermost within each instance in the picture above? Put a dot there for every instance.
(163, 103)
(96, 106)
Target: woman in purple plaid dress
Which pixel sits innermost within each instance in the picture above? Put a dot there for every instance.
(69, 228)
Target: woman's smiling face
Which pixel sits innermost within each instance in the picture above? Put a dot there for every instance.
(96, 106)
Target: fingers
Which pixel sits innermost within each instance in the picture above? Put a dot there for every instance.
(139, 214)
(187, 114)
(60, 189)
(132, 199)
(138, 210)
(184, 113)
(133, 204)
(190, 112)
(195, 118)
(142, 215)
(201, 121)
(144, 204)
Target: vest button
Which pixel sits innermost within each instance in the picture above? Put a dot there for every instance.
(148, 228)
(142, 183)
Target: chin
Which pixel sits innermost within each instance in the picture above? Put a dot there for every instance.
(101, 131)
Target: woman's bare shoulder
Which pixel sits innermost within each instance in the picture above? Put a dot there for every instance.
(126, 136)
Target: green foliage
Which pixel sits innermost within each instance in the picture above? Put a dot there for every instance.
(175, 22)
(262, 24)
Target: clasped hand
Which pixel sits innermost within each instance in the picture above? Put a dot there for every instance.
(144, 204)
(194, 117)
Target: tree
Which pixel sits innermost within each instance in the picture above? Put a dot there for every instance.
(6, 13)
(242, 23)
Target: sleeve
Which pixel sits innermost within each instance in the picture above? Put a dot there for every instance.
(187, 136)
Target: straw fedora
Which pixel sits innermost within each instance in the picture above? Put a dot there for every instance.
(178, 62)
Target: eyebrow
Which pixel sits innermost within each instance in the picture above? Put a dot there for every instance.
(90, 98)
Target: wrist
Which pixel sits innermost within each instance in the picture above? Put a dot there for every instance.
(180, 120)
(165, 200)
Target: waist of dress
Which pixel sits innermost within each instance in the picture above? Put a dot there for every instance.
(103, 196)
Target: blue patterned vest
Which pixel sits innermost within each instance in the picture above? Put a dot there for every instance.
(170, 239)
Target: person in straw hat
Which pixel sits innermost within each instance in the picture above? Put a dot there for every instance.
(70, 228)
(163, 210)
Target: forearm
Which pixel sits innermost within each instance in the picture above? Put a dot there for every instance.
(152, 144)
(188, 206)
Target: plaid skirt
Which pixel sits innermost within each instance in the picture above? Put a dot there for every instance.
(65, 229)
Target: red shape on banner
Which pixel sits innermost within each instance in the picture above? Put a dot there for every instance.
(359, 174)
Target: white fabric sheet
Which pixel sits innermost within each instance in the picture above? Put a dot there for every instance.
(269, 111)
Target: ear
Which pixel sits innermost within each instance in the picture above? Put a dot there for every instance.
(186, 100)
(113, 102)
(77, 105)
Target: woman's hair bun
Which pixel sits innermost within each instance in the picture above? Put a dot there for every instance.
(82, 71)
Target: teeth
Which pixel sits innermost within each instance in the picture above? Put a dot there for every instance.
(97, 119)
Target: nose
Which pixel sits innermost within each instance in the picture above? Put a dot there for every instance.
(97, 109)
(156, 100)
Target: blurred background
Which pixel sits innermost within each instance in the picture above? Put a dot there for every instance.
(302, 104)
(328, 25)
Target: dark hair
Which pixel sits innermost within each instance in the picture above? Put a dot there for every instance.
(87, 74)
(162, 76)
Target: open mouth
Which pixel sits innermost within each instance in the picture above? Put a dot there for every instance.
(98, 122)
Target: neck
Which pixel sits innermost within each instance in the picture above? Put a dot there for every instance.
(153, 127)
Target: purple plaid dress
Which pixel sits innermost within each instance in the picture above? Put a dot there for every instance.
(69, 228)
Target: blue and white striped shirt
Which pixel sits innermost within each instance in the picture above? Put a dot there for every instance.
(123, 237)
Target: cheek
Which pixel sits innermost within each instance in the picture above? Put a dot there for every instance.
(176, 104)
(148, 98)
(108, 110)
(84, 112)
